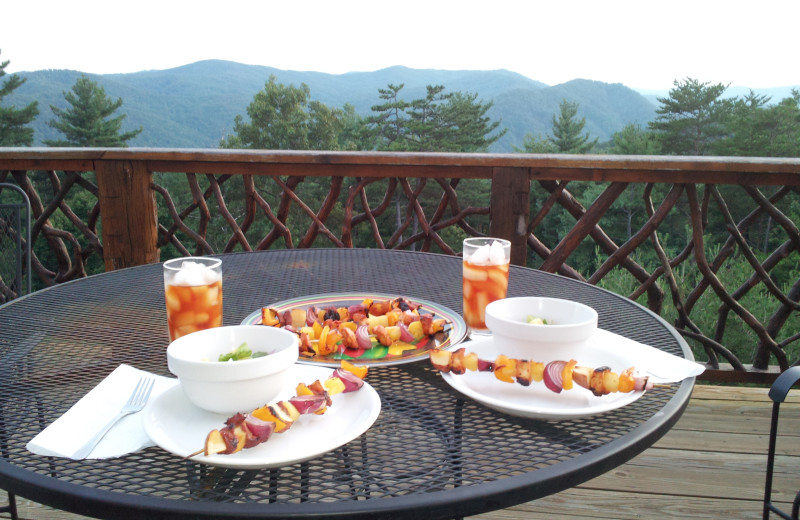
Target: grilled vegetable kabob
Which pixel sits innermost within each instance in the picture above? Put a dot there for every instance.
(556, 375)
(362, 326)
(243, 431)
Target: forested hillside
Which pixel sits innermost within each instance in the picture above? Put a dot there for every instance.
(193, 106)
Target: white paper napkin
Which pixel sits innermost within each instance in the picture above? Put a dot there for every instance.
(67, 434)
(661, 366)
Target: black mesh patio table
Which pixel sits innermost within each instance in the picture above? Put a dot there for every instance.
(432, 453)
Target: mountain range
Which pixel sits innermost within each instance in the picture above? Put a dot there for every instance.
(193, 106)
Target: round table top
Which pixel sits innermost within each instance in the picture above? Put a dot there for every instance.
(432, 452)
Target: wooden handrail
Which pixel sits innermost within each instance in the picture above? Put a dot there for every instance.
(612, 168)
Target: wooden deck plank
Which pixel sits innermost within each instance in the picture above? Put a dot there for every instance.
(700, 474)
(710, 465)
(739, 393)
(737, 417)
(725, 442)
(580, 504)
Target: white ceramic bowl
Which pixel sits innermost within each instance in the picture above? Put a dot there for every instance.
(232, 386)
(570, 325)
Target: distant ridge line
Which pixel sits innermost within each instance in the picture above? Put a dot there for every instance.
(194, 105)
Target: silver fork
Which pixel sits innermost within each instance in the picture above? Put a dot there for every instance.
(135, 404)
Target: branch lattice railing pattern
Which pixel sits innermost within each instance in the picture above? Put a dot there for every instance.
(57, 226)
(346, 216)
(709, 244)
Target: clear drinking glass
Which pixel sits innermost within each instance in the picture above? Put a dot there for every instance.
(193, 292)
(485, 278)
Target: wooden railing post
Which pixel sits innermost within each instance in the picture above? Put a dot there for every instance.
(128, 213)
(510, 209)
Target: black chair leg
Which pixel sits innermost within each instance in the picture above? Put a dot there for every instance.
(778, 392)
(11, 507)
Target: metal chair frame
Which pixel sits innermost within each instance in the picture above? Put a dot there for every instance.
(25, 251)
(778, 392)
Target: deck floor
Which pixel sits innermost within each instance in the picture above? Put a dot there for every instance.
(710, 465)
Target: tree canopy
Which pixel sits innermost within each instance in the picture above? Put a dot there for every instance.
(567, 130)
(284, 117)
(86, 123)
(14, 129)
(758, 128)
(693, 118)
(635, 140)
(443, 122)
(536, 144)
(566, 137)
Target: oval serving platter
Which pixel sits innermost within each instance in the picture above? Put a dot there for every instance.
(454, 332)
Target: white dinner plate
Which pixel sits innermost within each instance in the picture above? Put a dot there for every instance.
(179, 427)
(536, 401)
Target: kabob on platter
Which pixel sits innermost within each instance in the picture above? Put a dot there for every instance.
(395, 323)
(247, 430)
(556, 375)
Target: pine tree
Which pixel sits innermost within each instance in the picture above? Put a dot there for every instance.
(85, 124)
(693, 118)
(759, 128)
(13, 121)
(469, 127)
(389, 123)
(785, 128)
(439, 122)
(567, 130)
(425, 127)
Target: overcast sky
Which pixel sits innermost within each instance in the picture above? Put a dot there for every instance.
(643, 44)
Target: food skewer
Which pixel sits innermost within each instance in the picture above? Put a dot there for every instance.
(242, 431)
(556, 375)
(325, 331)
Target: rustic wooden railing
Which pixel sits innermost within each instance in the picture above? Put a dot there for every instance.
(708, 243)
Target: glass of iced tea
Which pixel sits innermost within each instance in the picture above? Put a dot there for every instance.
(193, 292)
(486, 262)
